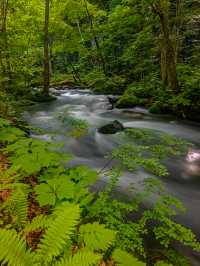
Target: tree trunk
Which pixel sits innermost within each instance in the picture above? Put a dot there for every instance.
(5, 58)
(79, 30)
(178, 25)
(168, 53)
(46, 50)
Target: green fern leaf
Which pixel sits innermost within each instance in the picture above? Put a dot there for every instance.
(83, 258)
(96, 236)
(4, 122)
(162, 263)
(19, 201)
(13, 250)
(59, 231)
(39, 221)
(123, 258)
(10, 134)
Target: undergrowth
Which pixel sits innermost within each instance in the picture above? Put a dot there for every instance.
(49, 216)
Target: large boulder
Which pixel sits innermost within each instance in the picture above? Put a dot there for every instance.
(111, 128)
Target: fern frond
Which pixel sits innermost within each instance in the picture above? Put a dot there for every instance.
(10, 134)
(59, 232)
(13, 185)
(123, 258)
(162, 263)
(19, 201)
(96, 236)
(83, 258)
(40, 221)
(13, 250)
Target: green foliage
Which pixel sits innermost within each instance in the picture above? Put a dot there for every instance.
(69, 185)
(100, 83)
(145, 148)
(38, 222)
(55, 189)
(31, 155)
(78, 227)
(155, 109)
(162, 263)
(76, 127)
(59, 231)
(125, 259)
(13, 250)
(127, 101)
(20, 206)
(96, 237)
(9, 134)
(83, 258)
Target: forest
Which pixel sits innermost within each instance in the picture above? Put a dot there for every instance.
(99, 132)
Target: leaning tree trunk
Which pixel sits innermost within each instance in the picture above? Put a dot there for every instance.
(46, 51)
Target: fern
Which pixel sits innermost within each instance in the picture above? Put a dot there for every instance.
(39, 221)
(4, 123)
(11, 186)
(96, 236)
(13, 250)
(59, 231)
(83, 258)
(8, 133)
(122, 258)
(20, 206)
(162, 263)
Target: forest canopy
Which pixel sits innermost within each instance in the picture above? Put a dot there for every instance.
(146, 50)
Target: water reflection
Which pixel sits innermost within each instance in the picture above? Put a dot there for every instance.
(192, 165)
(193, 155)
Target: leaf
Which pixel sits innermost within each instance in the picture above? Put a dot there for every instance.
(13, 250)
(10, 134)
(45, 195)
(83, 258)
(123, 258)
(59, 231)
(96, 236)
(54, 189)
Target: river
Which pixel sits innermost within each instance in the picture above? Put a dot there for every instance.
(184, 178)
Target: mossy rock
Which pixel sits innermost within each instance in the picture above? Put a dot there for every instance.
(111, 128)
(127, 101)
(155, 109)
(40, 97)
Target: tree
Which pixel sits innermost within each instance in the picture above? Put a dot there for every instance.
(95, 37)
(168, 51)
(46, 50)
(4, 56)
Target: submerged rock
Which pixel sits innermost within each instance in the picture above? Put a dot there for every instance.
(113, 100)
(111, 128)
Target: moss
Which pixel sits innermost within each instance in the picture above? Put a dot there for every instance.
(127, 101)
(39, 97)
(155, 109)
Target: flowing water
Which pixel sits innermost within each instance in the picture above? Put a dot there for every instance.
(184, 178)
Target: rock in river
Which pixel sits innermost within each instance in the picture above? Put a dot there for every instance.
(111, 128)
